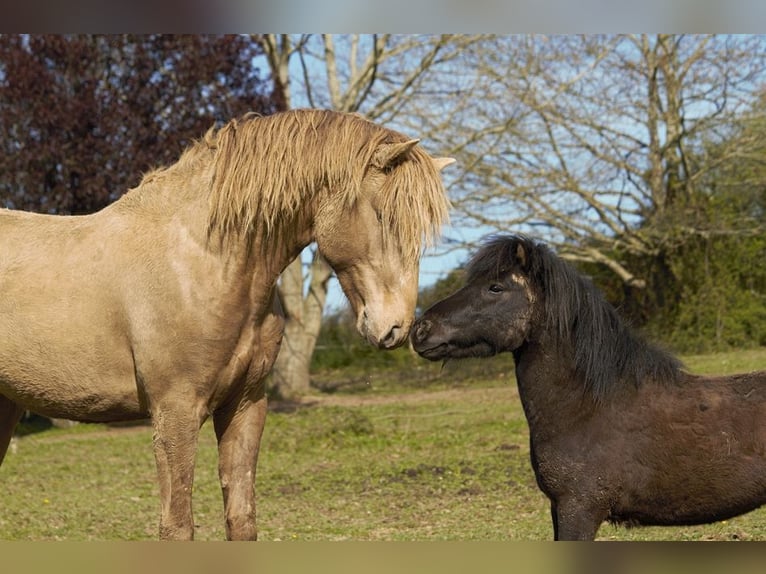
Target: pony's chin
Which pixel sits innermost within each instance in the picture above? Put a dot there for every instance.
(446, 351)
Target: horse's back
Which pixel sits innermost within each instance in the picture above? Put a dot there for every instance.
(47, 260)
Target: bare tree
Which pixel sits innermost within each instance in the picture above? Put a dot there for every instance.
(595, 142)
(380, 76)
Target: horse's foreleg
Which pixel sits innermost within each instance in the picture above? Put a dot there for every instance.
(239, 431)
(10, 414)
(175, 443)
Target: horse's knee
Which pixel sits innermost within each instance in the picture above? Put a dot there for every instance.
(241, 527)
(176, 532)
(239, 505)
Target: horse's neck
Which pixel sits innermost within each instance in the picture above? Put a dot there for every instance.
(264, 259)
(180, 196)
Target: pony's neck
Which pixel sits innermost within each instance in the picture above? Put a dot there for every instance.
(550, 389)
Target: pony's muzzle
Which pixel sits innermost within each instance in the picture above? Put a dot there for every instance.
(420, 331)
(426, 343)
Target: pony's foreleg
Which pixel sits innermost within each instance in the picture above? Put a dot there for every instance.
(573, 520)
(239, 431)
(176, 430)
(10, 414)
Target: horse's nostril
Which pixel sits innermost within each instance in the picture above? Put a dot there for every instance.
(392, 338)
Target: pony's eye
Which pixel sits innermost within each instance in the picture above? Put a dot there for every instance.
(496, 288)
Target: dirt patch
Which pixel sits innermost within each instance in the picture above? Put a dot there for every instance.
(417, 397)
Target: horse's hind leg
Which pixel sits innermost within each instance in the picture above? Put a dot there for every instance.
(10, 414)
(239, 429)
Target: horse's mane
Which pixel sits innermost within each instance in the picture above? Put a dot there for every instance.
(606, 351)
(266, 167)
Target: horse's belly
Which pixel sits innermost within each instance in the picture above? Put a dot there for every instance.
(66, 355)
(90, 399)
(60, 374)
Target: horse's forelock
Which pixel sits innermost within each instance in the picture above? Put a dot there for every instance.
(414, 204)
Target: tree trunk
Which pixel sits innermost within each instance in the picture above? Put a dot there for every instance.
(291, 373)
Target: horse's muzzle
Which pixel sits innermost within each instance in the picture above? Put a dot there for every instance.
(391, 339)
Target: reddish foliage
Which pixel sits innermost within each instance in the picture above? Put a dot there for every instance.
(82, 117)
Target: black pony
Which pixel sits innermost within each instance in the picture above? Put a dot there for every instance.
(618, 430)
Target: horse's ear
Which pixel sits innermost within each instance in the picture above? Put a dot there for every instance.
(442, 162)
(521, 255)
(389, 154)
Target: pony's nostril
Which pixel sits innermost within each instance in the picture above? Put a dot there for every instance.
(420, 333)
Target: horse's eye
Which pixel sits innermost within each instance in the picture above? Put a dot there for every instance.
(496, 288)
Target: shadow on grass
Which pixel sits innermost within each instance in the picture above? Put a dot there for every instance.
(31, 423)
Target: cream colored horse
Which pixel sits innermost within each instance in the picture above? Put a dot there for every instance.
(163, 304)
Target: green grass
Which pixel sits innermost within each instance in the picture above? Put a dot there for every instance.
(727, 363)
(444, 460)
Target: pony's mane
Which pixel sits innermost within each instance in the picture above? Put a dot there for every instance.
(266, 168)
(606, 351)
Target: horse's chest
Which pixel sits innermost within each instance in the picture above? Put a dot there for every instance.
(252, 359)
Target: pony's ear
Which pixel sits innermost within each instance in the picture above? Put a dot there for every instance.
(442, 162)
(389, 154)
(521, 255)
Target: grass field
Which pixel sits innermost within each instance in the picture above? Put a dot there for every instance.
(384, 459)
